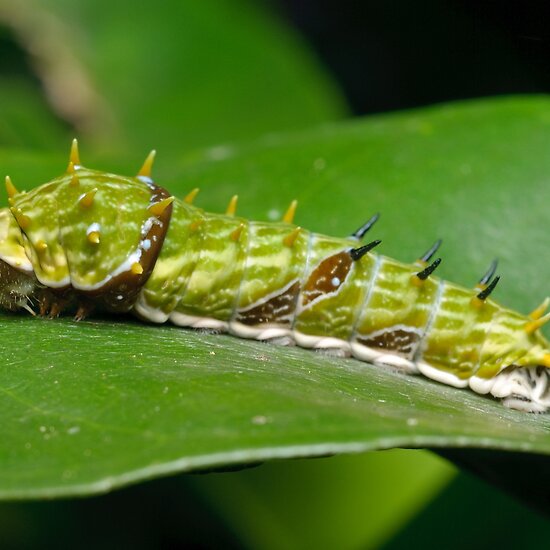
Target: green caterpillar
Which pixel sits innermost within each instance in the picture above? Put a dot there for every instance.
(90, 239)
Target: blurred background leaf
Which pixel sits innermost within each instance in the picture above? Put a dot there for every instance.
(135, 75)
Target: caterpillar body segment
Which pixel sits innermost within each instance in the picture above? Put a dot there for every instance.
(89, 239)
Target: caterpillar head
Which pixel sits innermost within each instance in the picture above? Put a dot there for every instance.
(85, 236)
(19, 287)
(18, 290)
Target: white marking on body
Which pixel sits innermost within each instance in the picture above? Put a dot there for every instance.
(493, 326)
(511, 382)
(22, 264)
(148, 224)
(435, 308)
(145, 311)
(259, 332)
(66, 281)
(305, 271)
(133, 258)
(362, 309)
(381, 358)
(523, 388)
(193, 321)
(336, 281)
(364, 353)
(320, 342)
(481, 385)
(441, 376)
(93, 227)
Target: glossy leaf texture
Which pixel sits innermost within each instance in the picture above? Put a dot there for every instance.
(99, 404)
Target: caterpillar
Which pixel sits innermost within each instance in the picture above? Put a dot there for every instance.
(93, 240)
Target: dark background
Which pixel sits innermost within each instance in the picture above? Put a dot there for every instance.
(400, 54)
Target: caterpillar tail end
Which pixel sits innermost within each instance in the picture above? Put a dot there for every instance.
(521, 388)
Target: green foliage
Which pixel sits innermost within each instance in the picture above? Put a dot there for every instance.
(98, 405)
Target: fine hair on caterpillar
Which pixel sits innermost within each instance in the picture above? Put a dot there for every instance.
(89, 240)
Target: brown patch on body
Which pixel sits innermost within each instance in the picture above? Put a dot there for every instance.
(120, 293)
(279, 309)
(399, 340)
(321, 280)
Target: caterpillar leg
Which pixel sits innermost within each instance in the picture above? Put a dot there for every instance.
(341, 352)
(281, 341)
(21, 290)
(521, 388)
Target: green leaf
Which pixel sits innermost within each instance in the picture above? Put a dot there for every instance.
(99, 404)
